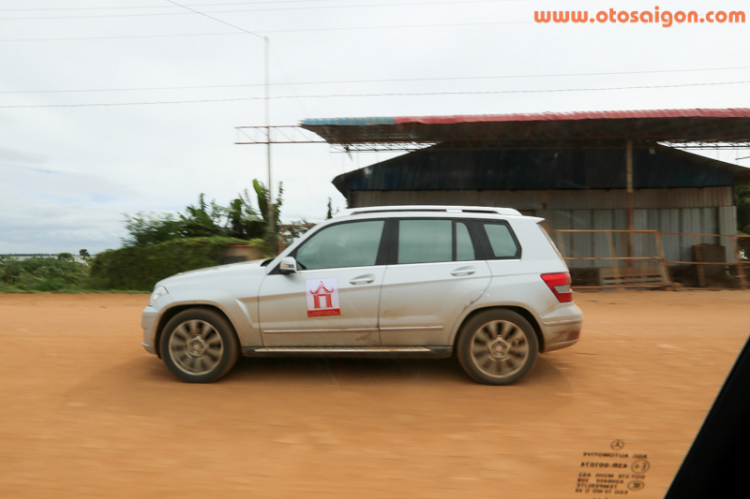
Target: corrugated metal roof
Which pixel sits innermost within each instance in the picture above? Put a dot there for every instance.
(547, 116)
(678, 125)
(581, 115)
(350, 121)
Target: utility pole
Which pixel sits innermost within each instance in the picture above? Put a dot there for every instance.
(271, 210)
(266, 43)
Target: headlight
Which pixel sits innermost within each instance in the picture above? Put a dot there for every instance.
(158, 293)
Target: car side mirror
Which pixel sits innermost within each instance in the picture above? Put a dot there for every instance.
(288, 265)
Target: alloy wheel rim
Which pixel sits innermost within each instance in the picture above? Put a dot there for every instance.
(499, 348)
(196, 347)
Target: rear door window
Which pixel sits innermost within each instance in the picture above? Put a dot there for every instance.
(500, 240)
(464, 246)
(434, 240)
(425, 241)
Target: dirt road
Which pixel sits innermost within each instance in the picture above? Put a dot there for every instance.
(87, 413)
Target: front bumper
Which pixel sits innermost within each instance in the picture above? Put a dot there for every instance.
(148, 323)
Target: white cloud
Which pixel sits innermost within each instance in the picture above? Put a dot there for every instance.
(68, 174)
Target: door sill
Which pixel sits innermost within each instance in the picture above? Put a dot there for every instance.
(345, 351)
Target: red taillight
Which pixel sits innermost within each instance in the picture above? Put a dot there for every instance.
(559, 284)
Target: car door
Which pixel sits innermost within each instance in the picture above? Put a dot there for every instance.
(333, 298)
(435, 272)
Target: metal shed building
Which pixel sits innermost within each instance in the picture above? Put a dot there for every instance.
(616, 170)
(674, 191)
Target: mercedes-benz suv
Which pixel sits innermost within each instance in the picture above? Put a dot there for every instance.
(484, 284)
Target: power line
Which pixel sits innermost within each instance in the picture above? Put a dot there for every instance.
(217, 20)
(288, 82)
(190, 5)
(266, 85)
(302, 30)
(393, 94)
(265, 9)
(361, 28)
(80, 38)
(385, 80)
(162, 6)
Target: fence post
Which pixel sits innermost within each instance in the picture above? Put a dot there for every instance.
(699, 261)
(613, 256)
(662, 261)
(560, 244)
(740, 268)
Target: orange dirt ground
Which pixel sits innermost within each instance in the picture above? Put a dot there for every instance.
(86, 412)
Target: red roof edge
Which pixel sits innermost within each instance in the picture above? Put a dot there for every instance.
(578, 115)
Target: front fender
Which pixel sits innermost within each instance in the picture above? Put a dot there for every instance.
(242, 314)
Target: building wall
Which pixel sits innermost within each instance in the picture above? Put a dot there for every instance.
(707, 210)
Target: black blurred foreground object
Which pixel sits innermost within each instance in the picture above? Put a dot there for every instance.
(717, 464)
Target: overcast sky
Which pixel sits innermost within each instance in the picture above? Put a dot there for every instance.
(68, 174)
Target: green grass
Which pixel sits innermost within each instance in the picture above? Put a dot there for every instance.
(71, 291)
(126, 270)
(42, 274)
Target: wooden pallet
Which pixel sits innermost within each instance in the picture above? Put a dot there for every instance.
(651, 275)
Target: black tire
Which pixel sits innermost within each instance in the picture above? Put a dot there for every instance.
(199, 345)
(497, 347)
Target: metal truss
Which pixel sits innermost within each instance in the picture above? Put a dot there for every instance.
(708, 145)
(381, 147)
(292, 134)
(478, 138)
(282, 134)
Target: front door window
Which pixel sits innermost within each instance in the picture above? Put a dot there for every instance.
(341, 246)
(333, 298)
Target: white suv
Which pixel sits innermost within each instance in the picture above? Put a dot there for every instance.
(484, 283)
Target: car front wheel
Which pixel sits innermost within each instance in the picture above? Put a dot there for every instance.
(199, 345)
(497, 347)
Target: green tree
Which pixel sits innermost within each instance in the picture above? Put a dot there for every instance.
(262, 193)
(237, 220)
(271, 236)
(243, 221)
(203, 220)
(329, 213)
(146, 229)
(294, 230)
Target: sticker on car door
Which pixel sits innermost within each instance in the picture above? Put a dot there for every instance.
(322, 297)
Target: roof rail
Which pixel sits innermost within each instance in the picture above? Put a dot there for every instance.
(434, 208)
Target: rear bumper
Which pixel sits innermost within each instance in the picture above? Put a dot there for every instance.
(562, 327)
(561, 332)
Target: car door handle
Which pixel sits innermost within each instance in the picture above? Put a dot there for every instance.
(365, 279)
(463, 271)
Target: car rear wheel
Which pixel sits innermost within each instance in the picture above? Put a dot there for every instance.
(199, 345)
(497, 347)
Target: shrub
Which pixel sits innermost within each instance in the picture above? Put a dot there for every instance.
(42, 274)
(140, 267)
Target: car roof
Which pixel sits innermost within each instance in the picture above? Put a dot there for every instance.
(428, 209)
